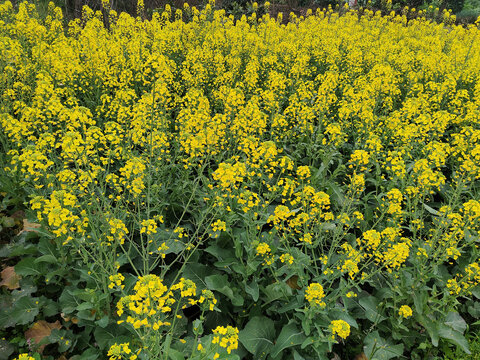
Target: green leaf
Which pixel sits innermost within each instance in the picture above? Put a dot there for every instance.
(455, 321)
(47, 247)
(28, 266)
(25, 310)
(103, 322)
(220, 283)
(454, 336)
(431, 210)
(50, 259)
(370, 305)
(377, 348)
(257, 336)
(84, 306)
(297, 356)
(220, 253)
(89, 354)
(68, 302)
(197, 327)
(175, 355)
(431, 325)
(110, 335)
(252, 290)
(289, 336)
(197, 273)
(6, 349)
(420, 300)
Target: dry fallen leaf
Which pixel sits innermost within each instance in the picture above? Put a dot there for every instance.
(28, 226)
(40, 330)
(292, 282)
(361, 356)
(9, 278)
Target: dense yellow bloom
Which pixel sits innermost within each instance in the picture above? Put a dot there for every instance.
(116, 281)
(263, 249)
(340, 328)
(405, 311)
(226, 337)
(219, 225)
(24, 357)
(314, 295)
(121, 351)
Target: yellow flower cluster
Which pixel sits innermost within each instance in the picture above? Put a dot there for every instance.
(24, 357)
(464, 283)
(405, 311)
(314, 295)
(116, 281)
(121, 351)
(340, 328)
(226, 337)
(150, 305)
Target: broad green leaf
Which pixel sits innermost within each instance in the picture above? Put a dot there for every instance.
(49, 259)
(258, 336)
(252, 290)
(431, 325)
(455, 321)
(297, 356)
(6, 349)
(110, 335)
(197, 273)
(377, 348)
(47, 247)
(420, 300)
(220, 283)
(25, 310)
(84, 306)
(289, 336)
(175, 355)
(89, 354)
(220, 253)
(68, 302)
(370, 305)
(103, 322)
(454, 336)
(28, 266)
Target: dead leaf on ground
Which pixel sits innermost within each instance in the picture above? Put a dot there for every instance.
(361, 356)
(28, 226)
(292, 282)
(9, 278)
(40, 330)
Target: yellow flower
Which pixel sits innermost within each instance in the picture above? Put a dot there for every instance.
(226, 337)
(405, 311)
(314, 295)
(263, 249)
(340, 328)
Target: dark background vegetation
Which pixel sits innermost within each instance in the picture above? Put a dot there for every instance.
(466, 10)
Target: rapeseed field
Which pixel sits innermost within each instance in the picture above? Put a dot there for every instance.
(200, 187)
